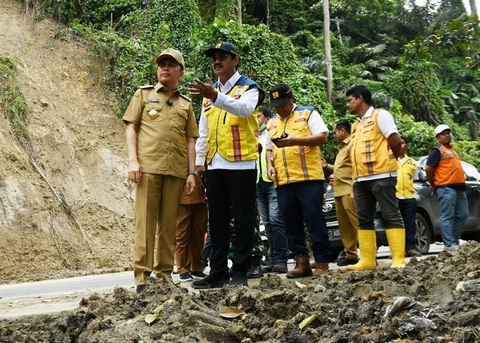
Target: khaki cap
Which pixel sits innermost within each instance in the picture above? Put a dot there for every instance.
(175, 54)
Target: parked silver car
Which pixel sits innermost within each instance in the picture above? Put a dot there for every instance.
(428, 212)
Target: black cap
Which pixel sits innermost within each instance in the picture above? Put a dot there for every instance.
(223, 46)
(279, 95)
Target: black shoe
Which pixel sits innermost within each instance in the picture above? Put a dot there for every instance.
(184, 277)
(255, 272)
(341, 256)
(140, 288)
(198, 275)
(211, 281)
(267, 269)
(238, 280)
(346, 262)
(412, 253)
(280, 268)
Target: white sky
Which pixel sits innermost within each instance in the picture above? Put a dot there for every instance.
(465, 2)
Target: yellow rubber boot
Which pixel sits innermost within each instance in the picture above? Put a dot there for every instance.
(367, 240)
(396, 241)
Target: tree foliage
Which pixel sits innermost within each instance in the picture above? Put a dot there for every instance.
(421, 62)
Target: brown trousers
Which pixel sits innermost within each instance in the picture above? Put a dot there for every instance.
(192, 224)
(156, 205)
(348, 224)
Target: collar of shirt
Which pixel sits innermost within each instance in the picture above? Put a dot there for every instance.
(230, 83)
(345, 141)
(161, 87)
(367, 114)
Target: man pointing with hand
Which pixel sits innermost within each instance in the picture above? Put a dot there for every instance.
(228, 144)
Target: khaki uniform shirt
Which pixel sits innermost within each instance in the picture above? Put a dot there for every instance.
(163, 125)
(342, 170)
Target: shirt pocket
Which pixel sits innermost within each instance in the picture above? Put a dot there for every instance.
(179, 119)
(369, 153)
(300, 129)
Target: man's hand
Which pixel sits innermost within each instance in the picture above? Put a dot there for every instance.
(200, 169)
(190, 184)
(324, 163)
(286, 140)
(205, 90)
(134, 171)
(272, 173)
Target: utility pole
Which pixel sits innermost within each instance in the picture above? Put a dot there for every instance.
(268, 15)
(328, 49)
(239, 12)
(473, 7)
(337, 23)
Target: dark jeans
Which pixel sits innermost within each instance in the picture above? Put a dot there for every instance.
(231, 193)
(299, 203)
(408, 210)
(270, 215)
(383, 191)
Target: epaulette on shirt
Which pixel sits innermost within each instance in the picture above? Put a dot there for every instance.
(185, 97)
(146, 87)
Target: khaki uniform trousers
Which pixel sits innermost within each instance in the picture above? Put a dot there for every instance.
(156, 206)
(348, 224)
(192, 224)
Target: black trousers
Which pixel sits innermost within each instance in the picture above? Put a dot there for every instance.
(231, 194)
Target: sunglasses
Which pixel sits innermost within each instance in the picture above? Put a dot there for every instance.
(220, 56)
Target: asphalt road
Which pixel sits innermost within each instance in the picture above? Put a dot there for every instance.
(53, 296)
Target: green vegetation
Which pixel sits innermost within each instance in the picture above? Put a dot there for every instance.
(421, 62)
(12, 101)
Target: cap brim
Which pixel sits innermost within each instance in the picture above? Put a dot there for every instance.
(443, 132)
(279, 102)
(162, 57)
(210, 52)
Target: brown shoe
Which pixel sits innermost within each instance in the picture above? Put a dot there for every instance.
(320, 269)
(302, 267)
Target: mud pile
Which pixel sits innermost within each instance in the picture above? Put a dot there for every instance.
(436, 299)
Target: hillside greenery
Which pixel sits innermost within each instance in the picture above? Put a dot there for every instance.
(421, 62)
(12, 101)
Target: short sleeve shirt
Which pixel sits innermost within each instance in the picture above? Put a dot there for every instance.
(163, 126)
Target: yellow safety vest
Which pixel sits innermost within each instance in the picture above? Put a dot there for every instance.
(295, 163)
(234, 138)
(370, 152)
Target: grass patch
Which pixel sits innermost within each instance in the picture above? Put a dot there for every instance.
(12, 100)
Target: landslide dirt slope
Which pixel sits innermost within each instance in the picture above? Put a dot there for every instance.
(79, 145)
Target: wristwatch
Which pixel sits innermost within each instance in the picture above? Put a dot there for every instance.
(192, 172)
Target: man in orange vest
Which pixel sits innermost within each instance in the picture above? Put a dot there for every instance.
(447, 180)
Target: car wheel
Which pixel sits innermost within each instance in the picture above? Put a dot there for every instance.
(422, 235)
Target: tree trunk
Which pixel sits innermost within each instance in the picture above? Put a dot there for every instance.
(473, 7)
(328, 49)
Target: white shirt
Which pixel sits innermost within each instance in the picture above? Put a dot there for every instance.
(243, 108)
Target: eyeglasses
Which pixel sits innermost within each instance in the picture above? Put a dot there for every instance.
(222, 56)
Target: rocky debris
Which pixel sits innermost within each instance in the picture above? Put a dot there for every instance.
(421, 303)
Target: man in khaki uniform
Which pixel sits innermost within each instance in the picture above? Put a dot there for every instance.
(343, 192)
(160, 133)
